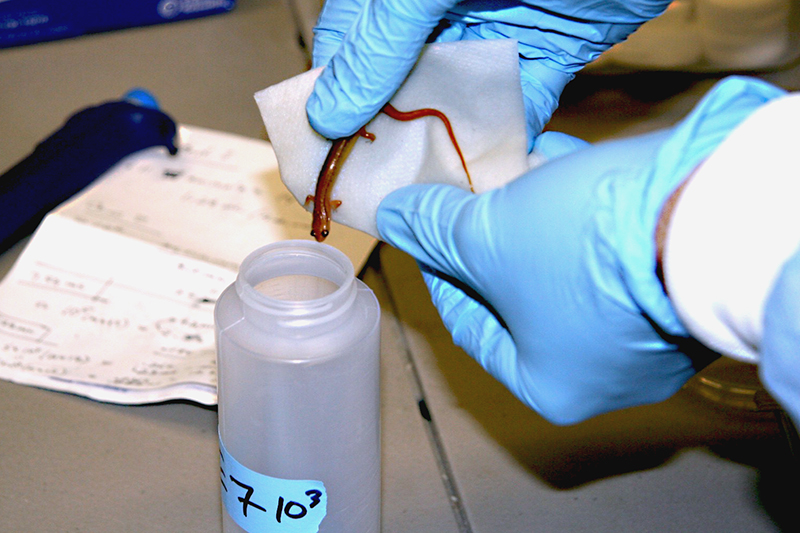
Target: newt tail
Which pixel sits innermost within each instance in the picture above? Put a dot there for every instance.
(407, 116)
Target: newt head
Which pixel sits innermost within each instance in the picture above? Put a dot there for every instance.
(320, 227)
(319, 233)
(321, 221)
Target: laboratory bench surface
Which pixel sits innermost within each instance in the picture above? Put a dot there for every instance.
(460, 453)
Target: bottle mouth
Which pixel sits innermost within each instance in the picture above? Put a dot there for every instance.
(297, 281)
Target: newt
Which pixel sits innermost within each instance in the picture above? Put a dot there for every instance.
(341, 148)
(323, 205)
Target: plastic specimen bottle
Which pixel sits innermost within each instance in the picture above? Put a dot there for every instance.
(298, 343)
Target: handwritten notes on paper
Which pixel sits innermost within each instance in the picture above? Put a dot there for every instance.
(113, 297)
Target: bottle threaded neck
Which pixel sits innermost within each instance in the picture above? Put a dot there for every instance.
(296, 284)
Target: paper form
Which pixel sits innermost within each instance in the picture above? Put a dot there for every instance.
(113, 297)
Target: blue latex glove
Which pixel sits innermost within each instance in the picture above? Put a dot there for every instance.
(780, 344)
(374, 44)
(550, 282)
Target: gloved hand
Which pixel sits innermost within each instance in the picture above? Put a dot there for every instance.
(373, 46)
(780, 346)
(550, 282)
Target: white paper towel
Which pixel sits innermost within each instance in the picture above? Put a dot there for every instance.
(475, 84)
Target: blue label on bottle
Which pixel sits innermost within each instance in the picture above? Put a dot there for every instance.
(265, 504)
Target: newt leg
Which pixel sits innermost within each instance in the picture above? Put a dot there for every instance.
(310, 199)
(362, 132)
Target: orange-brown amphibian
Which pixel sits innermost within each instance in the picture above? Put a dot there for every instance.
(341, 148)
(323, 205)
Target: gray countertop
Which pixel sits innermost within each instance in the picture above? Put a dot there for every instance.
(483, 462)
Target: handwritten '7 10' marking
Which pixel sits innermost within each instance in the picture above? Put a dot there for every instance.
(289, 509)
